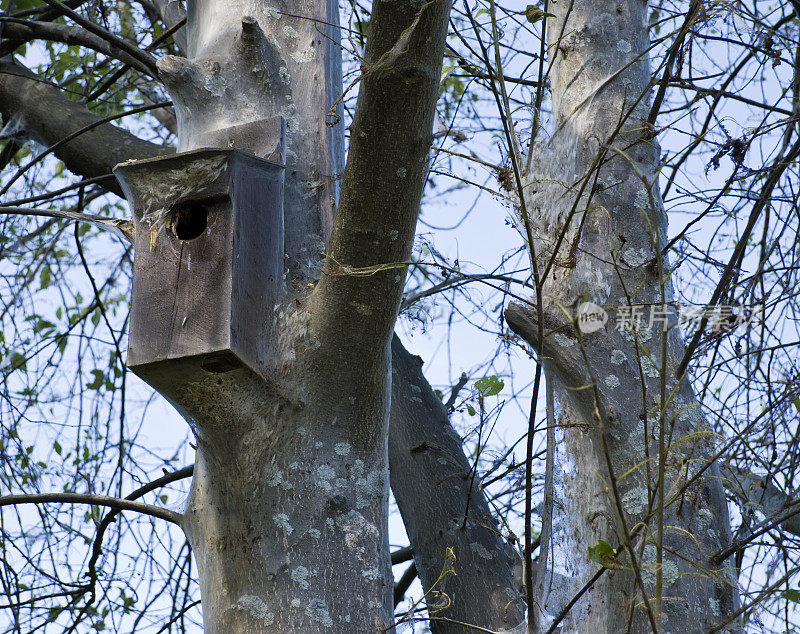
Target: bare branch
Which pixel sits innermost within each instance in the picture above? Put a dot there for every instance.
(91, 498)
(146, 60)
(757, 493)
(121, 228)
(20, 31)
(173, 14)
(94, 144)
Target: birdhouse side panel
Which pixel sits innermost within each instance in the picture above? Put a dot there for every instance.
(257, 192)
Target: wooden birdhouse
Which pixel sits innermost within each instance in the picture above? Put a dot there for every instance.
(209, 259)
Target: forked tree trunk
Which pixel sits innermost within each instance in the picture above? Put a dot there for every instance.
(630, 436)
(287, 511)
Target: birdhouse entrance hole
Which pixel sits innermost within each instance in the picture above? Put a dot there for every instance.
(188, 220)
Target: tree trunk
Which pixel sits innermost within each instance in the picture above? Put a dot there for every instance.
(249, 62)
(631, 447)
(277, 476)
(287, 510)
(287, 513)
(442, 507)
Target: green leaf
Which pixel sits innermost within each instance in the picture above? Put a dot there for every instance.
(362, 26)
(99, 378)
(57, 446)
(163, 499)
(654, 18)
(535, 14)
(45, 277)
(489, 385)
(22, 5)
(17, 362)
(797, 404)
(43, 324)
(603, 554)
(471, 410)
(791, 595)
(446, 70)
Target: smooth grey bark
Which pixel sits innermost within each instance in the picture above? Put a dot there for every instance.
(248, 62)
(420, 418)
(630, 438)
(286, 515)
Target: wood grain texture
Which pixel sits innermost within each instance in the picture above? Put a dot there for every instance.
(209, 252)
